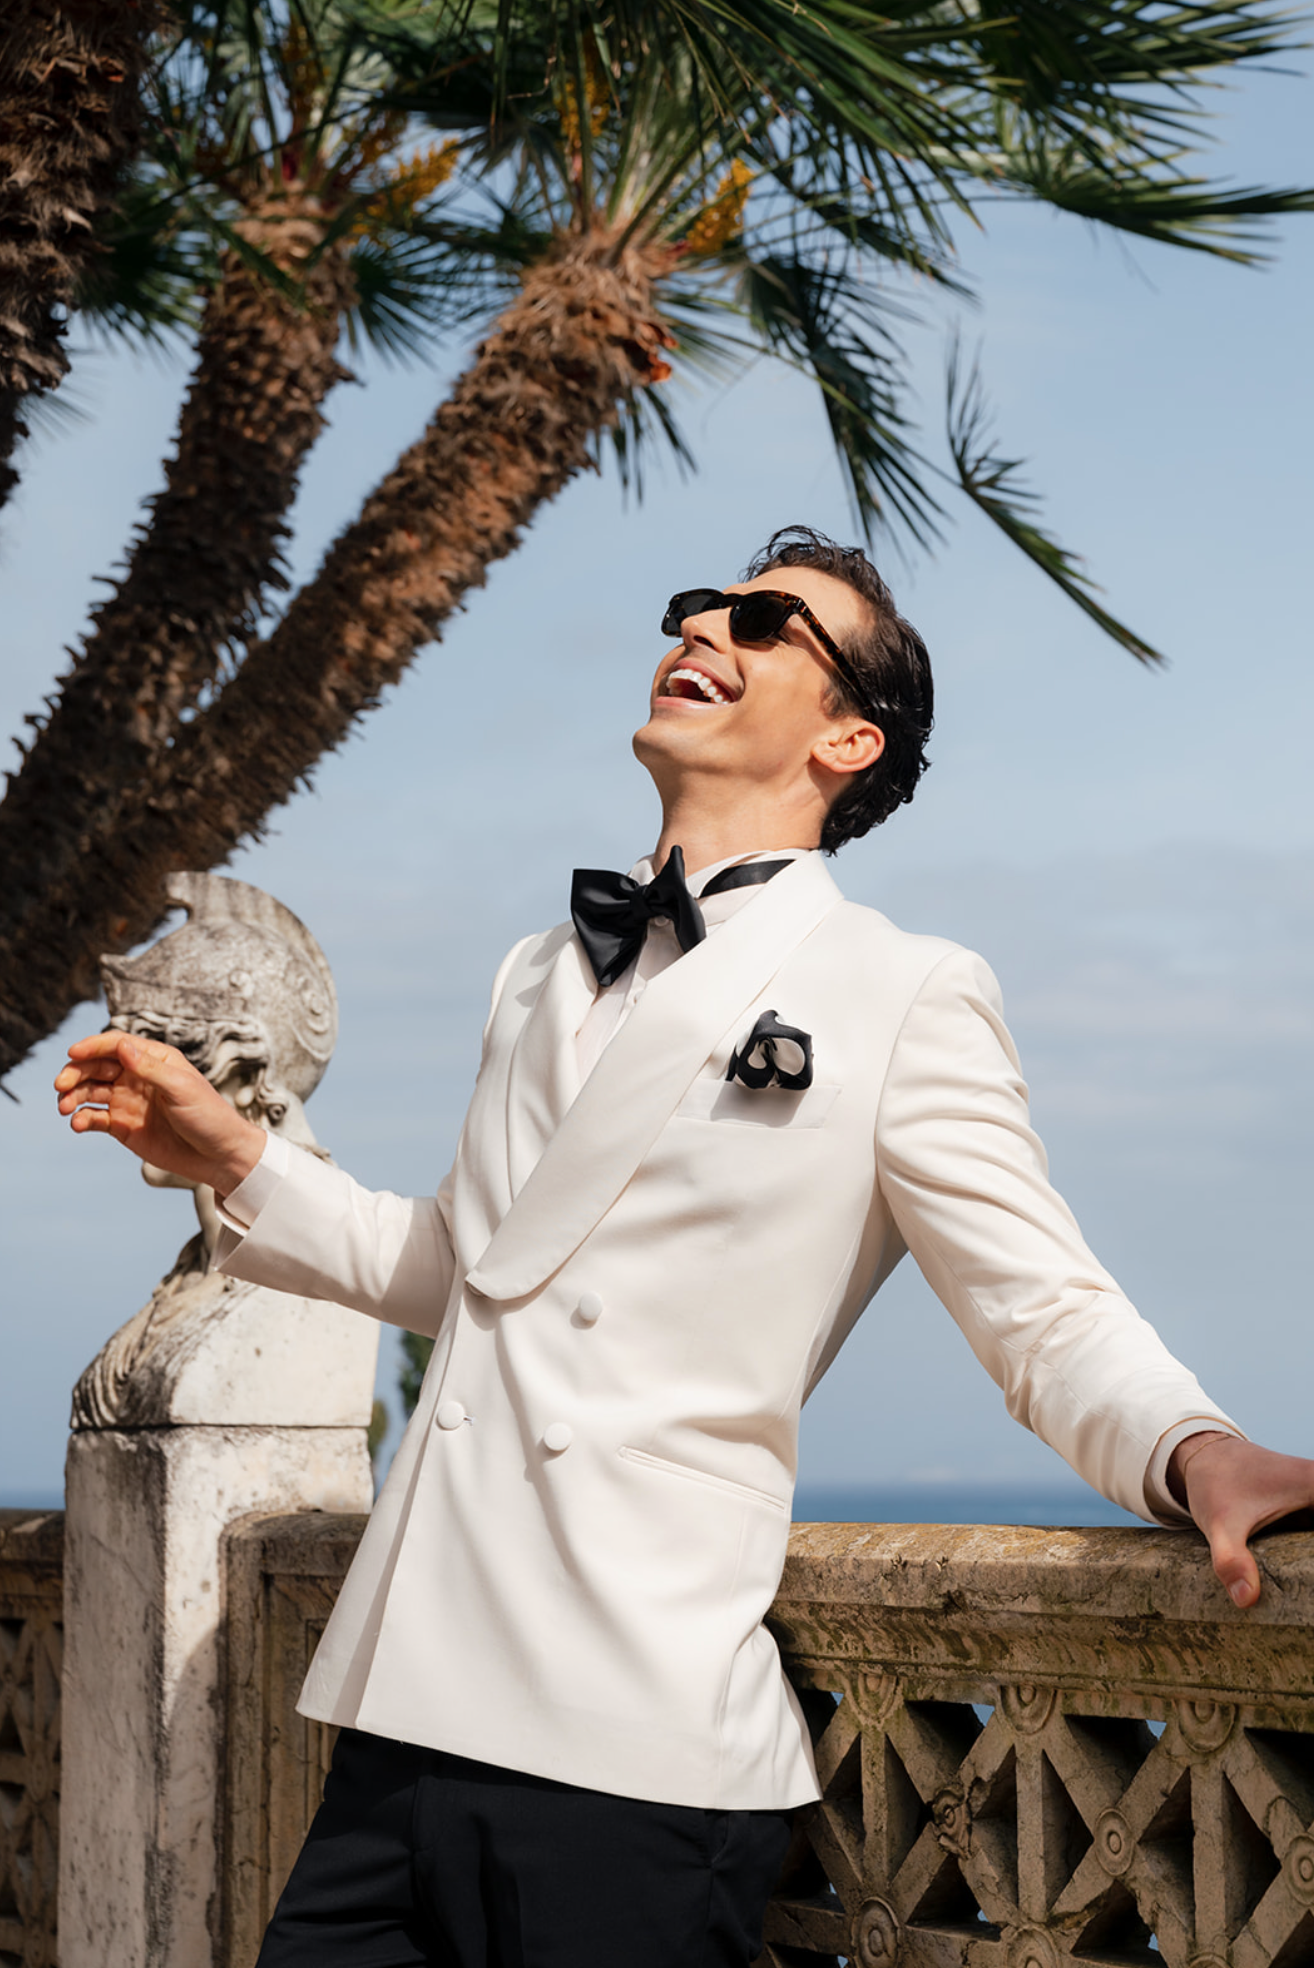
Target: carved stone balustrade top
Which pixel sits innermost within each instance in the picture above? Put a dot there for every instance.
(1041, 1746)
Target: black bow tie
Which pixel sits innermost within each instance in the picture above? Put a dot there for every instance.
(611, 912)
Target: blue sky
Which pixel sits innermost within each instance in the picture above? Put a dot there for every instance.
(1133, 852)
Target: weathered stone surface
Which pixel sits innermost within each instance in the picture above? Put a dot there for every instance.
(1089, 1608)
(1036, 1746)
(217, 1399)
(31, 1637)
(244, 990)
(143, 1671)
(283, 1576)
(218, 1351)
(1039, 1746)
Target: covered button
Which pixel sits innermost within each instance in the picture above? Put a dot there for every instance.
(589, 1309)
(558, 1435)
(451, 1414)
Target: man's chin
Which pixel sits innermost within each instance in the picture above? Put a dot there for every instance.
(662, 737)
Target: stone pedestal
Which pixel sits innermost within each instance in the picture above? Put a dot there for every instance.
(218, 1399)
(244, 1399)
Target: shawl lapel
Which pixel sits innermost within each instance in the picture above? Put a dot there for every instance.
(642, 1077)
(543, 1075)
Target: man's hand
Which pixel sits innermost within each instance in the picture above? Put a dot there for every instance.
(149, 1098)
(1233, 1489)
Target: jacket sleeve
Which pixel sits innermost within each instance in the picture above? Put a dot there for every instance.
(966, 1180)
(319, 1233)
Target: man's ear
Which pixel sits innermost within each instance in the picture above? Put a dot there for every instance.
(849, 747)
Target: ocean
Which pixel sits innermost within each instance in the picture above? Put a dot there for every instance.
(1071, 1505)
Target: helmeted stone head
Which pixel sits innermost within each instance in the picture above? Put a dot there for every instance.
(243, 989)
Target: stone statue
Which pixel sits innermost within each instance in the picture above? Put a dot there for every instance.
(218, 1399)
(244, 990)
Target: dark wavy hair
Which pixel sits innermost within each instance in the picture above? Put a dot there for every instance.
(891, 661)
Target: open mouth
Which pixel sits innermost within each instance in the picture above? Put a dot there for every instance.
(695, 686)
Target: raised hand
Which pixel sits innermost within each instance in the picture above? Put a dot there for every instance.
(154, 1102)
(1233, 1489)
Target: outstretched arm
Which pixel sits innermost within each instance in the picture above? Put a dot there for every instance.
(1232, 1489)
(149, 1098)
(320, 1234)
(967, 1183)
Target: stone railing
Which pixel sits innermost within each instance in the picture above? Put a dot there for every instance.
(31, 1644)
(1040, 1746)
(283, 1576)
(1036, 1745)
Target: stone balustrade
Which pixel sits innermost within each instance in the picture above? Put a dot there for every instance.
(31, 1657)
(1036, 1746)
(1040, 1746)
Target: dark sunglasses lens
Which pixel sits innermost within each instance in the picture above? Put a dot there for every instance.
(690, 601)
(758, 617)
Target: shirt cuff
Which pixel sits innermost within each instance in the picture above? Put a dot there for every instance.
(240, 1209)
(1159, 1499)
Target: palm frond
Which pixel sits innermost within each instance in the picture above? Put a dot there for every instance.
(411, 290)
(808, 314)
(991, 483)
(1052, 50)
(1177, 210)
(146, 286)
(645, 419)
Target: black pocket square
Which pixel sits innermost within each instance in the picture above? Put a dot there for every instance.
(773, 1055)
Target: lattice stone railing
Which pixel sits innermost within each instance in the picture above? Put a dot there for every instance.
(1036, 1746)
(1044, 1746)
(31, 1634)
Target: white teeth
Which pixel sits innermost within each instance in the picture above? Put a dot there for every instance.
(710, 690)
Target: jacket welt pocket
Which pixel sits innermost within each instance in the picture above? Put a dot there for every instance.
(745, 1491)
(726, 1101)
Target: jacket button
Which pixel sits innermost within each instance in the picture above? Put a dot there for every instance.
(589, 1309)
(450, 1415)
(558, 1436)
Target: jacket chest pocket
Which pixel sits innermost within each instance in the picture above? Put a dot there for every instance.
(727, 1103)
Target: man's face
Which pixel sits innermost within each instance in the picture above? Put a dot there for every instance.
(752, 711)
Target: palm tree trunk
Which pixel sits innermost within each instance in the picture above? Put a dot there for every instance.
(208, 554)
(69, 71)
(582, 336)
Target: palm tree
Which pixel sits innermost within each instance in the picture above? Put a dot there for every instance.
(690, 182)
(275, 202)
(69, 74)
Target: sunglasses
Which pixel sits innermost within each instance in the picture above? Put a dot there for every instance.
(759, 617)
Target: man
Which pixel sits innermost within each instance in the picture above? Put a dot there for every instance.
(704, 1131)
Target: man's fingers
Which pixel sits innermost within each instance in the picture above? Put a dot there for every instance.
(95, 1072)
(91, 1120)
(99, 1045)
(148, 1058)
(73, 1103)
(93, 1083)
(1235, 1566)
(1236, 1488)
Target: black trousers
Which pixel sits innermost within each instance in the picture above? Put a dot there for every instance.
(417, 1859)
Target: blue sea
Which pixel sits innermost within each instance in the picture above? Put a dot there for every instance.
(1067, 1504)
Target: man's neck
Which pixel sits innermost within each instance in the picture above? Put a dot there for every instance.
(705, 843)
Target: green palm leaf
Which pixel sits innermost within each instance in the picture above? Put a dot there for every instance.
(991, 483)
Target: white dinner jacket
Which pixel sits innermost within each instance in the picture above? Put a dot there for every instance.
(633, 1285)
